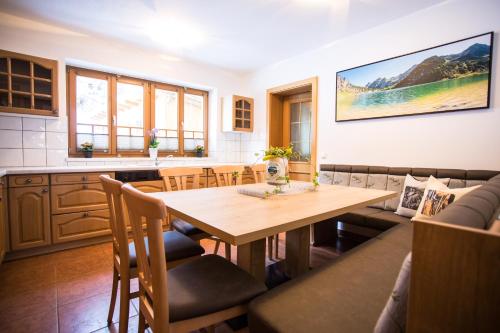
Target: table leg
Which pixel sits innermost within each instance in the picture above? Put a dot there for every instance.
(252, 258)
(297, 251)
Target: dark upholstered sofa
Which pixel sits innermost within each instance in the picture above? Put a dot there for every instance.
(349, 294)
(381, 216)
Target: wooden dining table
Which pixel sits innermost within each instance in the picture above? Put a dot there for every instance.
(246, 221)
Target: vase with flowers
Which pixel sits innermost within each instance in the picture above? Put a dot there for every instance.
(87, 148)
(153, 143)
(276, 159)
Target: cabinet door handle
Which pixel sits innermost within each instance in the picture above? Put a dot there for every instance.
(86, 214)
(45, 190)
(84, 178)
(28, 180)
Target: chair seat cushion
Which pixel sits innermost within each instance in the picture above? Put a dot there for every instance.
(185, 228)
(207, 285)
(177, 247)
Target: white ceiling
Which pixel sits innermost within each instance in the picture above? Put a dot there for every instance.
(241, 35)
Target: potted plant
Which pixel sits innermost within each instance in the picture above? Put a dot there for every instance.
(153, 143)
(276, 159)
(199, 150)
(87, 148)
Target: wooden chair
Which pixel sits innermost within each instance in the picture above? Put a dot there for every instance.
(259, 176)
(180, 247)
(177, 179)
(198, 294)
(228, 175)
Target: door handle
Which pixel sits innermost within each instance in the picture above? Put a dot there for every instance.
(28, 181)
(45, 190)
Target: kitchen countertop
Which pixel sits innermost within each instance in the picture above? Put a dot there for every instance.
(97, 168)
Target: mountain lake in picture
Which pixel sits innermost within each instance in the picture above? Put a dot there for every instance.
(429, 81)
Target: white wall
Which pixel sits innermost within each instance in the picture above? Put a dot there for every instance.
(466, 139)
(68, 47)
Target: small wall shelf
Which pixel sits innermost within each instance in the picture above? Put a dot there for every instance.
(28, 84)
(237, 114)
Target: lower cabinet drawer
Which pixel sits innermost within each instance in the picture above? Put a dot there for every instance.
(77, 198)
(76, 226)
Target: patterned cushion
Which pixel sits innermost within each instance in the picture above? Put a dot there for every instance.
(378, 182)
(456, 183)
(393, 317)
(341, 178)
(326, 177)
(358, 180)
(394, 183)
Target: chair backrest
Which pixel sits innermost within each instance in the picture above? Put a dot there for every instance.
(113, 190)
(152, 271)
(259, 172)
(228, 175)
(179, 177)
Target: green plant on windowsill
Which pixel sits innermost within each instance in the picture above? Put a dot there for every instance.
(199, 149)
(87, 148)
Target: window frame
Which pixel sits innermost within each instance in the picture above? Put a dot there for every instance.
(149, 113)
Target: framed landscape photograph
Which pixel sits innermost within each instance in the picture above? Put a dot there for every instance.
(450, 77)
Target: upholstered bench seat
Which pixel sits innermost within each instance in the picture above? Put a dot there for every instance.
(346, 295)
(372, 218)
(177, 246)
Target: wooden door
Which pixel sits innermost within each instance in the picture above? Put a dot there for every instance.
(297, 130)
(29, 211)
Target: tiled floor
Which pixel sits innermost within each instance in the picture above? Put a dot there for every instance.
(69, 291)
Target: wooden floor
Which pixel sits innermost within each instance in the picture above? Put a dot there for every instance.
(69, 291)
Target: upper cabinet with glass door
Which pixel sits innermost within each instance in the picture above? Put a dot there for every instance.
(237, 114)
(28, 84)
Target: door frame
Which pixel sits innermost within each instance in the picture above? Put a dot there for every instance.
(274, 102)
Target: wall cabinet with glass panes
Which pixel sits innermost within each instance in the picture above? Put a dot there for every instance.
(237, 114)
(28, 84)
(117, 113)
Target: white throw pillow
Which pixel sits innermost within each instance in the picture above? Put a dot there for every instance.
(411, 196)
(437, 197)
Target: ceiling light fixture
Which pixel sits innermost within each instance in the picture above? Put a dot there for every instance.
(175, 34)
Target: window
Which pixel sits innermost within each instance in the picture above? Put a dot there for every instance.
(116, 114)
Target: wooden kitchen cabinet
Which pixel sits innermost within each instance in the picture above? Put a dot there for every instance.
(3, 220)
(29, 213)
(77, 178)
(149, 186)
(77, 198)
(237, 114)
(81, 225)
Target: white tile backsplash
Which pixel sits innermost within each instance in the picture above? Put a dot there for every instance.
(56, 157)
(11, 157)
(56, 140)
(59, 125)
(45, 142)
(11, 139)
(35, 157)
(13, 123)
(33, 124)
(33, 139)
